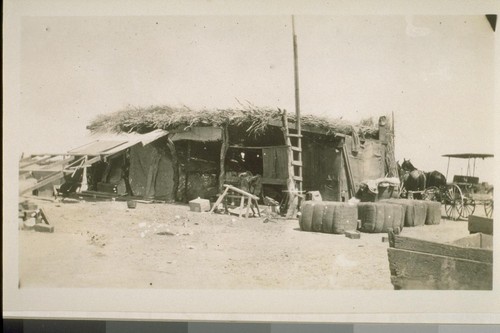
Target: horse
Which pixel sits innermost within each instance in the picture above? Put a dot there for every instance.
(417, 180)
(413, 179)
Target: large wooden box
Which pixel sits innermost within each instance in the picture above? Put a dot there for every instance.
(199, 205)
(465, 264)
(480, 224)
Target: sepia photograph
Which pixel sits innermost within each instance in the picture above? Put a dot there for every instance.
(225, 152)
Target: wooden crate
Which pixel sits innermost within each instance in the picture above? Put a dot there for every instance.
(466, 264)
(480, 224)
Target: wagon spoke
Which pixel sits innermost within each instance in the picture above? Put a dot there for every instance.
(488, 208)
(469, 207)
(453, 202)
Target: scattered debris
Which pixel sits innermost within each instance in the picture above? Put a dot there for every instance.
(353, 234)
(42, 227)
(165, 233)
(95, 239)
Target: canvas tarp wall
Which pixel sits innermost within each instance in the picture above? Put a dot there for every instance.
(151, 172)
(367, 161)
(323, 171)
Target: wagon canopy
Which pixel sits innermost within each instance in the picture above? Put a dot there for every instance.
(467, 156)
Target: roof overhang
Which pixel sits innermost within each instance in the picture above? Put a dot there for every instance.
(110, 144)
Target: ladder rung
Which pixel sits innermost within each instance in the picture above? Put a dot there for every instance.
(297, 178)
(293, 135)
(296, 148)
(297, 163)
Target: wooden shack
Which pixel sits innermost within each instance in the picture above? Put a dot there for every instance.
(205, 149)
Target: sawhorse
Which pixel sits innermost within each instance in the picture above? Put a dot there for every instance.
(251, 200)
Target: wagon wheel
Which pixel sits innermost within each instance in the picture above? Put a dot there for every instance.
(453, 202)
(468, 208)
(431, 193)
(488, 208)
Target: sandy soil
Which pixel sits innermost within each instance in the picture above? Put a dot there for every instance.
(105, 244)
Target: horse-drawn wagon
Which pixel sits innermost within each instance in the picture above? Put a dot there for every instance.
(464, 193)
(459, 197)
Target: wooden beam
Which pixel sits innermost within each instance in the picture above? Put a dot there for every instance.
(223, 152)
(175, 166)
(253, 147)
(186, 171)
(350, 180)
(418, 245)
(43, 182)
(273, 181)
(62, 162)
(240, 191)
(36, 161)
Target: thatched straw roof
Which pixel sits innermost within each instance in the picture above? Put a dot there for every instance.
(253, 119)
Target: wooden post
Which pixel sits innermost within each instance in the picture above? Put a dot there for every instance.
(84, 186)
(186, 171)
(152, 173)
(175, 166)
(386, 136)
(223, 151)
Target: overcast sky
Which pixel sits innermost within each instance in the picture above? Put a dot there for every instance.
(435, 73)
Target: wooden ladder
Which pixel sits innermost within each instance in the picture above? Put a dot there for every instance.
(295, 165)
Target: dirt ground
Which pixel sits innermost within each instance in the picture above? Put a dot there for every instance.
(105, 244)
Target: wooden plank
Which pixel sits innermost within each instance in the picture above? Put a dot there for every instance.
(297, 163)
(350, 180)
(294, 135)
(353, 234)
(480, 224)
(477, 240)
(43, 182)
(297, 178)
(219, 200)
(40, 227)
(273, 181)
(237, 190)
(92, 161)
(256, 147)
(296, 148)
(449, 250)
(35, 161)
(419, 271)
(62, 162)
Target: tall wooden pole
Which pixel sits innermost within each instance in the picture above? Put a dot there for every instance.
(296, 78)
(297, 101)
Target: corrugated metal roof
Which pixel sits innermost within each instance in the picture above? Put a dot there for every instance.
(109, 144)
(97, 147)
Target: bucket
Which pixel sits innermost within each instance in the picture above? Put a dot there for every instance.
(131, 204)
